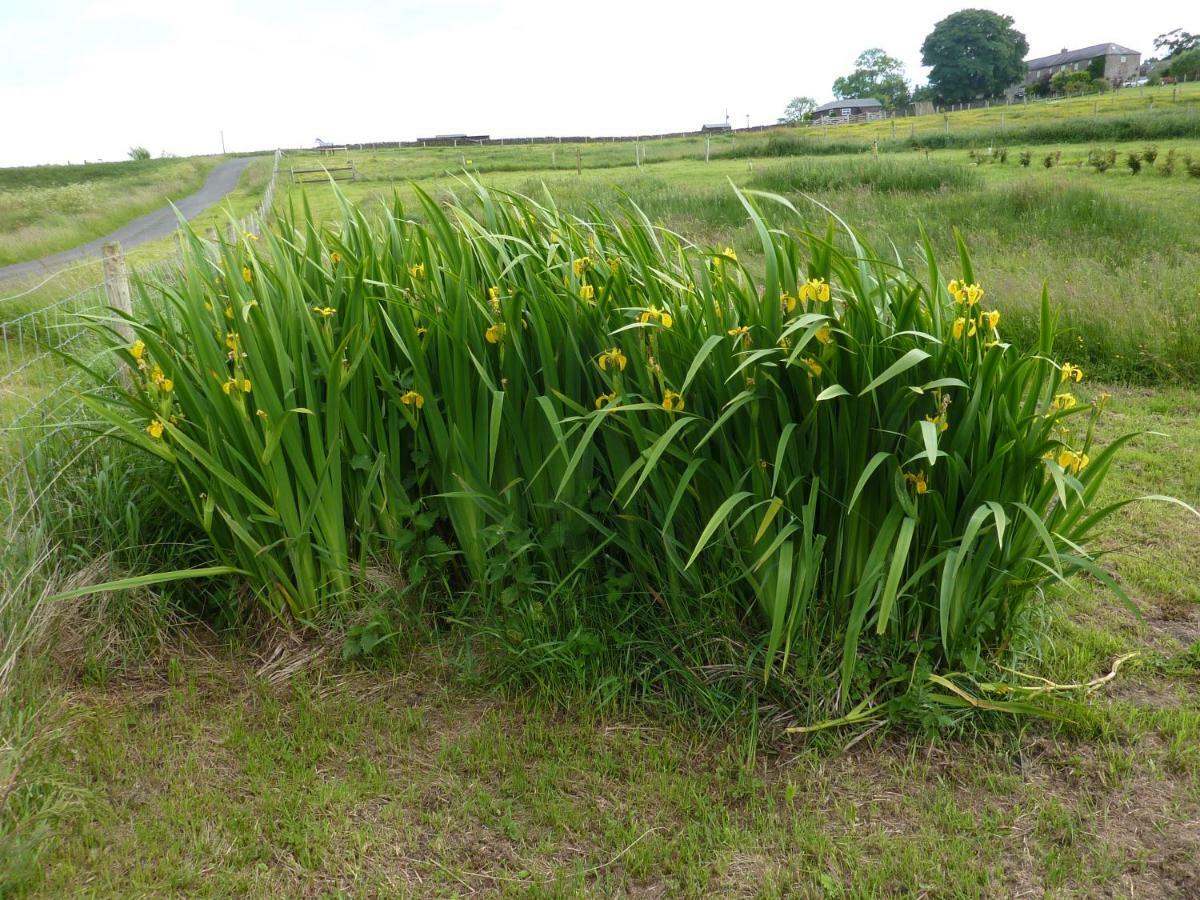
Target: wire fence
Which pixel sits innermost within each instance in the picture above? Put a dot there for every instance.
(41, 389)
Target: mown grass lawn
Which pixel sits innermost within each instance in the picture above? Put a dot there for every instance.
(221, 767)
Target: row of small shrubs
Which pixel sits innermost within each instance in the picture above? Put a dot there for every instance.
(1150, 125)
(837, 477)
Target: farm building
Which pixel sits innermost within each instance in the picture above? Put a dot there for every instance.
(844, 110)
(1111, 62)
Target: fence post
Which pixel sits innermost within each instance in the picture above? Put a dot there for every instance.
(578, 162)
(116, 287)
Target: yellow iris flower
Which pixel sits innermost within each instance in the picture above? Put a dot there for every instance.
(138, 350)
(604, 399)
(1064, 401)
(815, 289)
(613, 358)
(961, 324)
(824, 334)
(742, 332)
(814, 367)
(1071, 373)
(412, 398)
(581, 265)
(654, 313)
(417, 270)
(917, 481)
(324, 311)
(155, 429)
(672, 401)
(587, 292)
(495, 333)
(1072, 461)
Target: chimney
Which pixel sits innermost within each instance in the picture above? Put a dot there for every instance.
(1065, 50)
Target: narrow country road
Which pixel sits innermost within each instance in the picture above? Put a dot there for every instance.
(150, 227)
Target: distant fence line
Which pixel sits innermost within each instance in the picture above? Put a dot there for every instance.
(886, 115)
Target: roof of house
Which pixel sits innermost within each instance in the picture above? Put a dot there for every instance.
(865, 103)
(1070, 56)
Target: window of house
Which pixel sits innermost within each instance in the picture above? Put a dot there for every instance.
(847, 110)
(1122, 59)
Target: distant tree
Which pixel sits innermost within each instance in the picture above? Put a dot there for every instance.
(974, 53)
(799, 109)
(1184, 65)
(924, 92)
(875, 75)
(1176, 41)
(139, 153)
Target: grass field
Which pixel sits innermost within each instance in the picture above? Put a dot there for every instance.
(51, 208)
(153, 746)
(1097, 238)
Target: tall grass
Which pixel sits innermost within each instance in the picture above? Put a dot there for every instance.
(886, 175)
(840, 469)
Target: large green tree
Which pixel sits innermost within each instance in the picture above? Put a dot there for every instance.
(974, 53)
(875, 75)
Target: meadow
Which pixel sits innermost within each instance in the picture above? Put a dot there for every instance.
(51, 208)
(578, 639)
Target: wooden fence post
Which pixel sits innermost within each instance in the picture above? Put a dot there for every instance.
(578, 162)
(116, 286)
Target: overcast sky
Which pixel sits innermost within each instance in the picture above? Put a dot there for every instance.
(85, 79)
